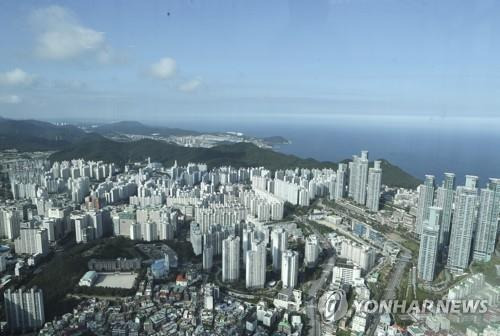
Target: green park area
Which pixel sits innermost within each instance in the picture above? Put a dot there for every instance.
(72, 263)
(489, 269)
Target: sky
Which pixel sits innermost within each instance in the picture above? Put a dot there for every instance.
(177, 61)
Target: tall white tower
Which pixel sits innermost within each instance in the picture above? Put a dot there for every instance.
(445, 195)
(425, 200)
(429, 242)
(279, 243)
(358, 177)
(231, 259)
(373, 188)
(311, 250)
(340, 181)
(290, 269)
(487, 224)
(24, 309)
(255, 275)
(464, 220)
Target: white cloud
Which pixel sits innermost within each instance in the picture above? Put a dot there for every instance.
(60, 36)
(10, 99)
(16, 77)
(164, 68)
(190, 85)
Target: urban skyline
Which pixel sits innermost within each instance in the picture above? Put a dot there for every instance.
(250, 168)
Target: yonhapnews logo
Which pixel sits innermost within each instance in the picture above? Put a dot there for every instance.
(333, 305)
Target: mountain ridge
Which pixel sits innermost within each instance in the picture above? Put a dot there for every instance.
(70, 142)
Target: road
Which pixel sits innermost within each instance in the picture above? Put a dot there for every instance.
(396, 274)
(391, 288)
(318, 284)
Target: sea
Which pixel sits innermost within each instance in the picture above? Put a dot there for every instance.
(419, 145)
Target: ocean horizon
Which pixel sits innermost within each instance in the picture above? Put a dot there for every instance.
(418, 145)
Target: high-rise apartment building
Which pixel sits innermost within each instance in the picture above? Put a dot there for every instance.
(32, 241)
(445, 196)
(24, 309)
(358, 177)
(208, 257)
(340, 181)
(429, 245)
(279, 243)
(231, 259)
(312, 250)
(487, 223)
(462, 227)
(255, 275)
(290, 269)
(373, 187)
(425, 200)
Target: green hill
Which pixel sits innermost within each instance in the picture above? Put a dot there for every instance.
(71, 142)
(32, 135)
(96, 147)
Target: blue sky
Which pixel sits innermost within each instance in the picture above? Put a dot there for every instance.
(207, 60)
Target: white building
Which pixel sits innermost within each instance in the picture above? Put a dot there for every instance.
(231, 259)
(444, 200)
(487, 224)
(32, 241)
(425, 200)
(312, 250)
(290, 269)
(24, 309)
(208, 258)
(464, 220)
(196, 239)
(358, 254)
(345, 274)
(149, 231)
(88, 279)
(373, 188)
(429, 244)
(255, 273)
(358, 177)
(279, 243)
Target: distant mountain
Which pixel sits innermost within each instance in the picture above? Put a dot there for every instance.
(236, 155)
(33, 135)
(71, 142)
(135, 127)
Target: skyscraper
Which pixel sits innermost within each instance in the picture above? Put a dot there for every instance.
(352, 176)
(358, 177)
(340, 181)
(208, 257)
(487, 223)
(445, 195)
(290, 269)
(279, 243)
(425, 199)
(246, 243)
(24, 309)
(311, 250)
(231, 259)
(32, 241)
(429, 243)
(255, 275)
(373, 188)
(464, 219)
